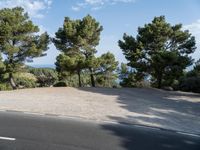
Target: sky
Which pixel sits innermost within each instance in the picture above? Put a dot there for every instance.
(116, 16)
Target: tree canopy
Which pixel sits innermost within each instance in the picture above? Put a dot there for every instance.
(160, 50)
(126, 76)
(106, 74)
(72, 64)
(78, 38)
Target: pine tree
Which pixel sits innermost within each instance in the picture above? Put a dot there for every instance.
(79, 37)
(160, 50)
(18, 40)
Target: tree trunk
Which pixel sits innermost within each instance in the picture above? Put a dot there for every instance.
(79, 79)
(12, 82)
(92, 77)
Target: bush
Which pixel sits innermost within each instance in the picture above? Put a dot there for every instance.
(5, 87)
(25, 80)
(190, 84)
(60, 84)
(25, 83)
(115, 86)
(45, 76)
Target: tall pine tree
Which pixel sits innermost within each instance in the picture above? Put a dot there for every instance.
(18, 40)
(79, 38)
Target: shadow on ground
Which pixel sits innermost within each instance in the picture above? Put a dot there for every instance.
(176, 111)
(146, 139)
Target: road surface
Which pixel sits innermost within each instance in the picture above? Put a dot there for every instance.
(20, 131)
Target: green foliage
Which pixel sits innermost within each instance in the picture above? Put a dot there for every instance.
(106, 75)
(108, 62)
(160, 50)
(5, 87)
(60, 84)
(190, 84)
(77, 40)
(71, 64)
(196, 70)
(86, 78)
(19, 41)
(45, 76)
(78, 36)
(123, 71)
(25, 80)
(191, 81)
(72, 80)
(126, 76)
(103, 69)
(2, 69)
(93, 63)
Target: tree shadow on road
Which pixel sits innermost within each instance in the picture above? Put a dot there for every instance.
(139, 138)
(178, 111)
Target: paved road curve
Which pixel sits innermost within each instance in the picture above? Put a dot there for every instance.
(30, 132)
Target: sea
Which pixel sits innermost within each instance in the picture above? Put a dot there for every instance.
(42, 66)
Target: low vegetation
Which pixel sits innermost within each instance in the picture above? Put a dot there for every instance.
(190, 82)
(46, 77)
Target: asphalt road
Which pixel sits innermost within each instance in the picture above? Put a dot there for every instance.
(30, 132)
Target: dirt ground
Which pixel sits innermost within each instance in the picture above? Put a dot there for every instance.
(152, 107)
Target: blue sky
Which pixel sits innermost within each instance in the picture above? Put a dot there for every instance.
(116, 17)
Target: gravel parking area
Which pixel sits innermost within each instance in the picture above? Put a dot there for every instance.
(151, 107)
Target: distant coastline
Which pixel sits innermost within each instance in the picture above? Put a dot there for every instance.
(53, 66)
(42, 65)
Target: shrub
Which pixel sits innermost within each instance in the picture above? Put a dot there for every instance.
(25, 80)
(60, 84)
(190, 84)
(45, 76)
(5, 87)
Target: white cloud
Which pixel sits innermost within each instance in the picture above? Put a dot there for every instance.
(194, 28)
(75, 8)
(97, 4)
(35, 8)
